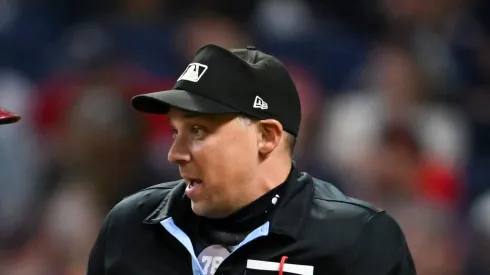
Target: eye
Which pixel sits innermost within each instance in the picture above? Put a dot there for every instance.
(174, 133)
(198, 132)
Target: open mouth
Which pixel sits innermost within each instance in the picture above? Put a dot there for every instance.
(192, 188)
(191, 183)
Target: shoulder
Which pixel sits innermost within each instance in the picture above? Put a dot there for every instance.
(328, 198)
(141, 204)
(342, 218)
(361, 236)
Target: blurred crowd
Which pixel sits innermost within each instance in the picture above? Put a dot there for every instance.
(395, 96)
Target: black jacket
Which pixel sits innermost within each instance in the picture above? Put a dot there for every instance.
(313, 224)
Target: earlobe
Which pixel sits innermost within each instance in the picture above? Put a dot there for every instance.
(266, 147)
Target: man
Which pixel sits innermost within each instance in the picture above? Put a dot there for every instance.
(7, 117)
(242, 207)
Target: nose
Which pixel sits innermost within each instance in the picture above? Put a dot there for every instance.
(179, 153)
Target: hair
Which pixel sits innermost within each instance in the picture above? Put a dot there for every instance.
(290, 139)
(290, 142)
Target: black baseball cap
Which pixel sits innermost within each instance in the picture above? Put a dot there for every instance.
(220, 81)
(7, 117)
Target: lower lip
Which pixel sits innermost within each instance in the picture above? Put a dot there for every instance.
(191, 192)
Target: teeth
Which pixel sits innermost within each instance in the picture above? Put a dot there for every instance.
(192, 183)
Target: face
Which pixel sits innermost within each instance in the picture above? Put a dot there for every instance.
(217, 157)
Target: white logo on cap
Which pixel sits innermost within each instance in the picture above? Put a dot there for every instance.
(193, 72)
(259, 103)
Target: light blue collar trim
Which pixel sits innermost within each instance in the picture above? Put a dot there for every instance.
(180, 235)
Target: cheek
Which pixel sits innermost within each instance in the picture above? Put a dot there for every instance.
(226, 161)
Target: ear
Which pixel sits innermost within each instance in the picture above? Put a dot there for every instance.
(270, 131)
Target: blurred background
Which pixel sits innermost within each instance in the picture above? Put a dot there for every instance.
(396, 111)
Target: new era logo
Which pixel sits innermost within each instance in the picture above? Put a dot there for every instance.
(259, 103)
(193, 72)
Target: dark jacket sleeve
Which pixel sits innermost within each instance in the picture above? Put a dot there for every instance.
(381, 249)
(96, 262)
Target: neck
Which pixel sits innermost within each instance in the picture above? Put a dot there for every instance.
(271, 173)
(268, 176)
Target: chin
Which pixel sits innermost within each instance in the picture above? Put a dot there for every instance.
(203, 210)
(199, 209)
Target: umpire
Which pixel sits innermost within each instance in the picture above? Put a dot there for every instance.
(241, 206)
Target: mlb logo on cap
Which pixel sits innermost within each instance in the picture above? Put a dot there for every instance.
(193, 72)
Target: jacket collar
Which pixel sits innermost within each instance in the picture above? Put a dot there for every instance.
(289, 213)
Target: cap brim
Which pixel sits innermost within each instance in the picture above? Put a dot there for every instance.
(7, 117)
(161, 102)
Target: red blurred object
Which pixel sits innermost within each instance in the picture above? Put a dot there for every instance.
(438, 183)
(62, 90)
(7, 117)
